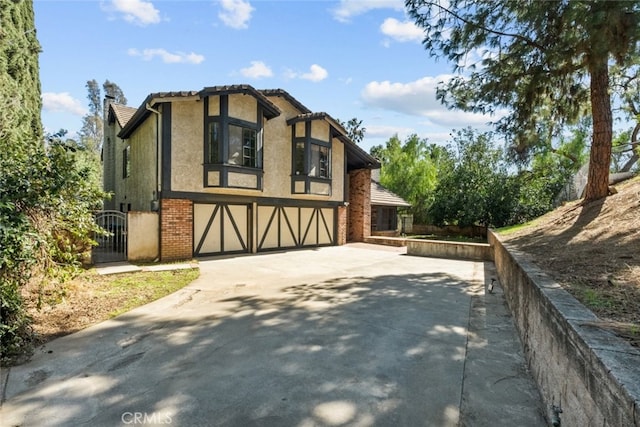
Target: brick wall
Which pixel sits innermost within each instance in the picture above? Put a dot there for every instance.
(359, 205)
(176, 229)
(341, 238)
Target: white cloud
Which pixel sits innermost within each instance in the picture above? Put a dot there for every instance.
(166, 56)
(235, 13)
(316, 73)
(257, 70)
(405, 31)
(62, 102)
(349, 8)
(418, 98)
(137, 12)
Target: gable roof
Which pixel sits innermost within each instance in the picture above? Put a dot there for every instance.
(382, 196)
(356, 157)
(121, 113)
(284, 94)
(140, 115)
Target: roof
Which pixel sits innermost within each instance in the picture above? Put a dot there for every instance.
(284, 94)
(383, 197)
(270, 109)
(357, 158)
(122, 113)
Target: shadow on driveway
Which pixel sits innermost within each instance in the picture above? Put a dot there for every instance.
(341, 336)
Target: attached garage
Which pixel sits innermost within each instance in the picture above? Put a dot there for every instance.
(221, 228)
(282, 227)
(225, 228)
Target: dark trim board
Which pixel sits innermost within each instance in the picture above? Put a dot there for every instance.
(166, 146)
(238, 200)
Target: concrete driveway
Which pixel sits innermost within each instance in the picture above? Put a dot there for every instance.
(356, 335)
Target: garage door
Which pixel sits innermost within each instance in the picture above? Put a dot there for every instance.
(221, 228)
(281, 227)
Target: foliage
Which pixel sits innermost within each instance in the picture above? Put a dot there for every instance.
(20, 151)
(354, 129)
(626, 145)
(410, 170)
(477, 189)
(45, 197)
(46, 207)
(541, 61)
(91, 133)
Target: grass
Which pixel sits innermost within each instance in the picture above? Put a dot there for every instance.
(594, 300)
(513, 228)
(136, 289)
(92, 298)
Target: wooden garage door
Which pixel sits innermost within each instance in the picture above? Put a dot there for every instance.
(221, 228)
(281, 227)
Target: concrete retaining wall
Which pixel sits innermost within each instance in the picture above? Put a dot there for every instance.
(387, 241)
(446, 249)
(591, 373)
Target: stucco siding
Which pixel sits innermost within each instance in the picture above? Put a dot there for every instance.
(243, 107)
(187, 146)
(278, 155)
(140, 185)
(109, 163)
(320, 130)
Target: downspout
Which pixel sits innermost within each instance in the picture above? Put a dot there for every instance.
(155, 202)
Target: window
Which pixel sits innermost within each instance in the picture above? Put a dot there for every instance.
(232, 148)
(243, 147)
(299, 159)
(213, 143)
(311, 166)
(126, 162)
(319, 165)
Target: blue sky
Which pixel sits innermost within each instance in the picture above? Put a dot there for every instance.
(349, 58)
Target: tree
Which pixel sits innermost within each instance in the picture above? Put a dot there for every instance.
(91, 133)
(627, 86)
(21, 150)
(477, 189)
(354, 129)
(540, 60)
(113, 90)
(410, 169)
(46, 200)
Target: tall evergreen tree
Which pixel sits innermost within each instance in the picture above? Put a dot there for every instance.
(91, 133)
(21, 155)
(46, 198)
(19, 72)
(541, 60)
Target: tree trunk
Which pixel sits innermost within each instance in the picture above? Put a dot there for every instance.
(600, 159)
(634, 150)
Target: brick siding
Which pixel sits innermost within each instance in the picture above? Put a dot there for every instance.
(359, 205)
(341, 238)
(176, 229)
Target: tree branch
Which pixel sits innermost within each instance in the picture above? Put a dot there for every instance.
(483, 28)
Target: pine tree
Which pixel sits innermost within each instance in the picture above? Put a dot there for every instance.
(543, 61)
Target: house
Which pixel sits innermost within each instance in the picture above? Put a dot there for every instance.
(385, 219)
(233, 169)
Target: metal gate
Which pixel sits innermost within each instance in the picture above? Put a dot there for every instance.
(112, 245)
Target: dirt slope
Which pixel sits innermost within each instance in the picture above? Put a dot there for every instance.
(593, 251)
